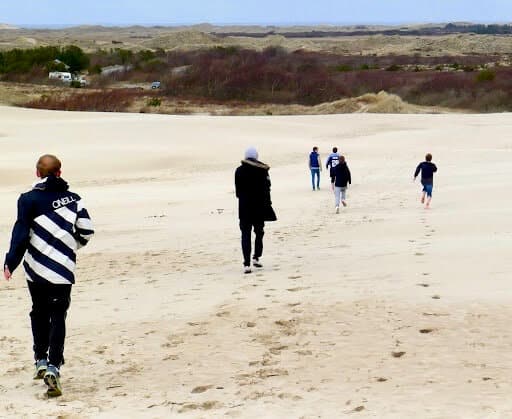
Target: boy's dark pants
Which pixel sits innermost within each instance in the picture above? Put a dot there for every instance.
(50, 303)
(246, 228)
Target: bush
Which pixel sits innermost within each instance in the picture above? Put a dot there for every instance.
(154, 102)
(393, 67)
(343, 67)
(485, 75)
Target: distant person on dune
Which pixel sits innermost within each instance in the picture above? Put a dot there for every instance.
(427, 169)
(342, 178)
(332, 162)
(252, 183)
(315, 166)
(52, 224)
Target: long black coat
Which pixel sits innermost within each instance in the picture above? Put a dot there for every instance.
(252, 183)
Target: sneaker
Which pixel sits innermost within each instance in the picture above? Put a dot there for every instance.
(344, 203)
(52, 380)
(41, 366)
(256, 263)
(247, 270)
(337, 210)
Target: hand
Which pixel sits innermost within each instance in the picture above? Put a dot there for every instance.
(7, 273)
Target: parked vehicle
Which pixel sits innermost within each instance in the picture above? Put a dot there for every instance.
(156, 85)
(63, 76)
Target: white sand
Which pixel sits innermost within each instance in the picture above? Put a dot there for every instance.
(164, 324)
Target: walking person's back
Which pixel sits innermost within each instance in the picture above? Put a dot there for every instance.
(332, 161)
(252, 183)
(52, 224)
(315, 167)
(342, 178)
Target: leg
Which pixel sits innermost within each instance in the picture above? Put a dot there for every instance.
(313, 178)
(429, 195)
(40, 319)
(424, 191)
(318, 178)
(245, 228)
(337, 192)
(60, 299)
(344, 196)
(258, 241)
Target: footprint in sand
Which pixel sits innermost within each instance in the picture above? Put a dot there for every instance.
(397, 354)
(201, 389)
(424, 285)
(427, 330)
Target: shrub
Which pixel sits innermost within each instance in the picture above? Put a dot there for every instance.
(393, 67)
(485, 75)
(154, 102)
(343, 67)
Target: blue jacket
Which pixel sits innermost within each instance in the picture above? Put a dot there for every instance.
(332, 161)
(52, 224)
(314, 160)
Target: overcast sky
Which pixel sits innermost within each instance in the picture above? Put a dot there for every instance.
(147, 12)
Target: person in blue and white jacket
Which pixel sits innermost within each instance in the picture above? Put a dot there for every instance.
(52, 224)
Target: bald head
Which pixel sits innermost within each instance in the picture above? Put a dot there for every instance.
(47, 165)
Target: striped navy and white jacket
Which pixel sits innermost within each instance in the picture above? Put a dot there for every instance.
(52, 224)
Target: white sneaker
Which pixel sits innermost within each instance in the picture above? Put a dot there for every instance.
(337, 210)
(256, 263)
(247, 270)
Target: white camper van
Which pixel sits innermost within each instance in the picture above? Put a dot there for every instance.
(63, 76)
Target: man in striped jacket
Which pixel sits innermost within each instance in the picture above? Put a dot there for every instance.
(52, 224)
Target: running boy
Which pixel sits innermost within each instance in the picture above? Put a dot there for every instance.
(427, 169)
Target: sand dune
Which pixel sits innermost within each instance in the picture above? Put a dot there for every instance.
(385, 310)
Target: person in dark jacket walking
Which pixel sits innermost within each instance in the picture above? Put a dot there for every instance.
(341, 181)
(427, 169)
(332, 162)
(52, 224)
(315, 167)
(252, 183)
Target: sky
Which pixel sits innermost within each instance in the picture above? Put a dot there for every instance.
(284, 12)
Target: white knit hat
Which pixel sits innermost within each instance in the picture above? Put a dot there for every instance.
(251, 153)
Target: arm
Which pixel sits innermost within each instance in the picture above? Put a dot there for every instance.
(319, 163)
(238, 183)
(328, 162)
(349, 176)
(418, 169)
(19, 239)
(83, 226)
(434, 168)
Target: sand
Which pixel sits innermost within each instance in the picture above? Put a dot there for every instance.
(386, 310)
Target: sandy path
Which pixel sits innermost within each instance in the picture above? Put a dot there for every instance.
(385, 310)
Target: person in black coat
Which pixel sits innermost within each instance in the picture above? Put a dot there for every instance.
(252, 182)
(341, 180)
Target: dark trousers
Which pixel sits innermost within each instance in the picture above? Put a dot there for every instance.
(246, 228)
(50, 303)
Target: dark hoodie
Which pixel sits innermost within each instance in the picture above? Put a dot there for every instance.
(252, 182)
(342, 174)
(51, 224)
